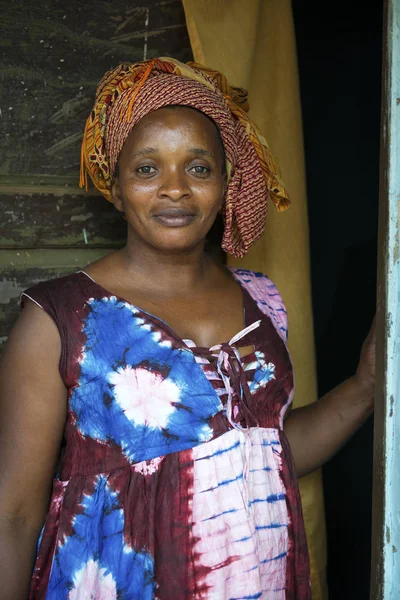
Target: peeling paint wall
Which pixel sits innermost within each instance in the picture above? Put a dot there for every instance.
(54, 53)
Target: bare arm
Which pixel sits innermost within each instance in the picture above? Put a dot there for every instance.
(32, 416)
(317, 431)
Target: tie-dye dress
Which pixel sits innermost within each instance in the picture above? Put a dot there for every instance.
(176, 480)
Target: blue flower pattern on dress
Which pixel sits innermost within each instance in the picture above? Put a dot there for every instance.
(176, 400)
(95, 561)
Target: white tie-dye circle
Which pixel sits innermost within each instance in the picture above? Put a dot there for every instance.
(145, 396)
(148, 467)
(92, 583)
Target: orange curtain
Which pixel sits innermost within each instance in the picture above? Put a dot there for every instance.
(253, 44)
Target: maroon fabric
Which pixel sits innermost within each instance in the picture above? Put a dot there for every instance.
(158, 506)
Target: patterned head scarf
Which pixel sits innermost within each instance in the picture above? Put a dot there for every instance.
(129, 92)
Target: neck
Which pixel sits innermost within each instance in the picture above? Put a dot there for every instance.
(166, 271)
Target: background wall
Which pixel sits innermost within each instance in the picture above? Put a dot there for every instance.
(53, 55)
(339, 52)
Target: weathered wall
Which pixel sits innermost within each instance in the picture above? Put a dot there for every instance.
(54, 54)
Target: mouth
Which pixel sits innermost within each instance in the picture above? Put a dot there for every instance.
(174, 217)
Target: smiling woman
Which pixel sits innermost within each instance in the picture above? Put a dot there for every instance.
(171, 191)
(164, 376)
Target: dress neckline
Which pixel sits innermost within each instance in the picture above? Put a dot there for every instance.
(186, 342)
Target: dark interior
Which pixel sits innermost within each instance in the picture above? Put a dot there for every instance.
(339, 52)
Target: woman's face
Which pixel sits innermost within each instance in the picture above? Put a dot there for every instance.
(170, 182)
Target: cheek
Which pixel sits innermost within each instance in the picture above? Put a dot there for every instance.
(216, 198)
(136, 195)
(210, 193)
(137, 186)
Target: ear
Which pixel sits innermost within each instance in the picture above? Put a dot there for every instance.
(116, 195)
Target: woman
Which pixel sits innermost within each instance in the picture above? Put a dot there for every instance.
(166, 375)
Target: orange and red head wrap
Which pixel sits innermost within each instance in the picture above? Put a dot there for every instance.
(129, 92)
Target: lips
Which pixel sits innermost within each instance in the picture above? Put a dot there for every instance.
(174, 217)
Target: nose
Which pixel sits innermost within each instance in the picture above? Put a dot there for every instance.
(174, 185)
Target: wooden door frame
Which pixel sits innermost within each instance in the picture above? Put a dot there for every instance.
(385, 572)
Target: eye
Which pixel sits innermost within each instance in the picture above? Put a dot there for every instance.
(200, 170)
(145, 170)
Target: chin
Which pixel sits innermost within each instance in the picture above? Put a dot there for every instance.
(178, 240)
(177, 244)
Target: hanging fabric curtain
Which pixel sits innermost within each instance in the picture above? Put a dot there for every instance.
(253, 44)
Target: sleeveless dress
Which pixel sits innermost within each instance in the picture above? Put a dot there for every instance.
(176, 480)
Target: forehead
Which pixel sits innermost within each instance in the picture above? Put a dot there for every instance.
(181, 121)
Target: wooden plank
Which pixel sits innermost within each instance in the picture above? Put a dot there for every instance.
(47, 220)
(385, 571)
(53, 56)
(21, 269)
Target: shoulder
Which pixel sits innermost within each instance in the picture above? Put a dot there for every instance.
(64, 300)
(47, 294)
(253, 278)
(258, 283)
(266, 295)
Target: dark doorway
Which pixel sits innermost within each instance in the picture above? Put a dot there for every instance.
(339, 52)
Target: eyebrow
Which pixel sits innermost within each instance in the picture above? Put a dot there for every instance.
(201, 152)
(150, 150)
(144, 152)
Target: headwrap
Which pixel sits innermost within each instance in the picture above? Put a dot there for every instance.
(131, 91)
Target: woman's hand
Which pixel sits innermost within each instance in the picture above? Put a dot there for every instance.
(365, 374)
(318, 430)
